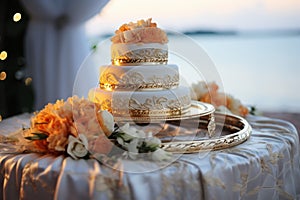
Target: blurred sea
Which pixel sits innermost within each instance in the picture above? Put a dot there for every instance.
(260, 70)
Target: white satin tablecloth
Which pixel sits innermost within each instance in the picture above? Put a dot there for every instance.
(266, 166)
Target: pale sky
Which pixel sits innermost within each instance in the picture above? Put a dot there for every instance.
(180, 15)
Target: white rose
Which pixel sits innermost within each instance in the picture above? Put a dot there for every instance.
(106, 121)
(153, 142)
(77, 147)
(160, 155)
(132, 148)
(132, 131)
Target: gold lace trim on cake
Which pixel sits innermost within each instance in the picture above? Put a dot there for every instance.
(149, 55)
(135, 80)
(153, 113)
(151, 107)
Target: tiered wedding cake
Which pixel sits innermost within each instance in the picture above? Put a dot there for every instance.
(139, 82)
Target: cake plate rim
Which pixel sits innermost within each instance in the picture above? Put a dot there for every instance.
(197, 109)
(243, 131)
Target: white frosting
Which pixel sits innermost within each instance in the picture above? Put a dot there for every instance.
(150, 102)
(120, 49)
(139, 77)
(140, 83)
(134, 54)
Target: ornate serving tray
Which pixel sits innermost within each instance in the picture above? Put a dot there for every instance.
(200, 129)
(230, 130)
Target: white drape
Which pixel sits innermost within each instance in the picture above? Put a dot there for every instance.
(56, 44)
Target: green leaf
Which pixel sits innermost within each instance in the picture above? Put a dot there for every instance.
(144, 148)
(253, 110)
(37, 123)
(37, 136)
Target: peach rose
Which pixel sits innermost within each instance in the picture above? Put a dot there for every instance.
(139, 24)
(140, 32)
(143, 35)
(209, 94)
(100, 145)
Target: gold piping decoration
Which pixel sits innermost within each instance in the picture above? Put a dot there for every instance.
(148, 55)
(135, 80)
(146, 115)
(150, 86)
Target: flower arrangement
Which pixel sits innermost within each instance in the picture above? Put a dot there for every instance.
(142, 31)
(223, 102)
(77, 127)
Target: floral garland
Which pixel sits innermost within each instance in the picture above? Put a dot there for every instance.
(77, 127)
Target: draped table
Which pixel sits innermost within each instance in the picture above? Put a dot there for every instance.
(267, 165)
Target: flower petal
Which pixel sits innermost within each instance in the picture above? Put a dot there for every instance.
(106, 121)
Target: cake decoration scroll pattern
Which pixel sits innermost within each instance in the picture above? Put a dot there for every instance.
(151, 106)
(135, 80)
(149, 55)
(215, 144)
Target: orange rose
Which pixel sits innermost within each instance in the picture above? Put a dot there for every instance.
(60, 120)
(42, 145)
(49, 123)
(57, 142)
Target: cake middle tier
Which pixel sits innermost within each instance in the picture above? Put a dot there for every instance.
(145, 103)
(138, 77)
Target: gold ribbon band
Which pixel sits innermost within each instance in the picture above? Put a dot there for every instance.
(132, 61)
(140, 56)
(148, 114)
(143, 86)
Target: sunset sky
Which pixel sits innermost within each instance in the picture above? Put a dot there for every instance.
(208, 14)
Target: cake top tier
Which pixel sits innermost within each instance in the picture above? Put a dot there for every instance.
(143, 31)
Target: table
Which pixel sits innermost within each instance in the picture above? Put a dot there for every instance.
(267, 165)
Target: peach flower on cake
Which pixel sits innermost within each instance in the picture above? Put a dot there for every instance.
(140, 32)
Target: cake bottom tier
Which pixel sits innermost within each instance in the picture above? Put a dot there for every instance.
(143, 103)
